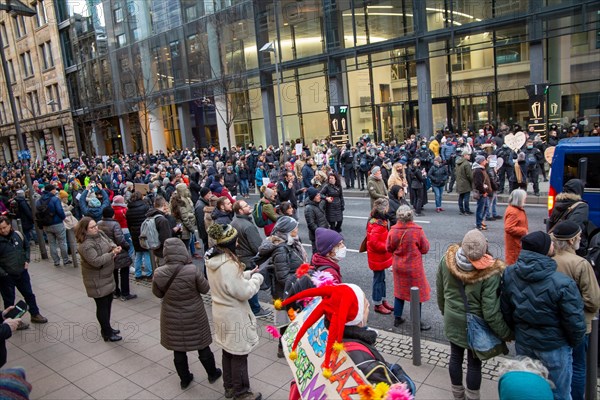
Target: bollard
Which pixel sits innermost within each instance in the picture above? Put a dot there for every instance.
(153, 261)
(592, 363)
(20, 227)
(73, 246)
(415, 317)
(41, 242)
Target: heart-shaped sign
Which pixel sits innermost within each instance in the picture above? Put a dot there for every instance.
(515, 141)
(549, 154)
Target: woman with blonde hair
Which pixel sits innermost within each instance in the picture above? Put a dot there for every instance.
(515, 225)
(398, 176)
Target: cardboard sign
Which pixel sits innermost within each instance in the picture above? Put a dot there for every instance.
(306, 369)
(549, 154)
(515, 141)
(143, 188)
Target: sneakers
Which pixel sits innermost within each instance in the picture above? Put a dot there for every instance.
(441, 209)
(68, 262)
(130, 296)
(379, 308)
(387, 305)
(262, 313)
(482, 228)
(38, 319)
(215, 377)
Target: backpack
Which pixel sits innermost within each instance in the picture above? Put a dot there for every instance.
(43, 216)
(259, 216)
(364, 165)
(593, 254)
(149, 234)
(531, 160)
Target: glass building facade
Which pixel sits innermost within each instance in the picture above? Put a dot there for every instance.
(166, 74)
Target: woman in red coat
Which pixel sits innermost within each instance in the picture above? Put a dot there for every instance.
(515, 225)
(379, 259)
(407, 242)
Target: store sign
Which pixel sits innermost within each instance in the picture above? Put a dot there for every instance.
(537, 108)
(338, 124)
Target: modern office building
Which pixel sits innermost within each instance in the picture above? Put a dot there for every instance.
(32, 49)
(163, 74)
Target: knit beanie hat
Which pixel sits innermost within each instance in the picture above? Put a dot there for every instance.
(269, 193)
(566, 230)
(326, 240)
(285, 224)
(474, 246)
(204, 191)
(222, 234)
(312, 193)
(94, 202)
(63, 195)
(118, 201)
(479, 159)
(516, 385)
(375, 169)
(538, 242)
(13, 384)
(108, 212)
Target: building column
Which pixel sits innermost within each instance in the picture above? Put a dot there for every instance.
(185, 126)
(125, 131)
(270, 120)
(157, 131)
(423, 72)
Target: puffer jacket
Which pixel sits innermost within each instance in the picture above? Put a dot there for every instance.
(94, 212)
(97, 265)
(438, 174)
(543, 307)
(231, 182)
(314, 214)
(231, 288)
(283, 261)
(334, 210)
(113, 231)
(184, 324)
(15, 253)
(464, 176)
(377, 256)
(481, 289)
(135, 216)
(186, 216)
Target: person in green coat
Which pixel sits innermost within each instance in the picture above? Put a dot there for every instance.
(464, 182)
(471, 266)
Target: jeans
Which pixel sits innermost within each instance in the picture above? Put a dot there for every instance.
(145, 257)
(579, 365)
(131, 250)
(437, 191)
(481, 209)
(491, 206)
(455, 367)
(254, 304)
(244, 187)
(463, 202)
(205, 356)
(235, 373)
(30, 235)
(378, 287)
(123, 273)
(560, 367)
(103, 305)
(399, 307)
(57, 239)
(23, 283)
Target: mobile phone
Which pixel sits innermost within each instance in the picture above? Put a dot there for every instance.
(18, 311)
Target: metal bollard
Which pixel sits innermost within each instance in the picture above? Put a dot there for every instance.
(153, 261)
(41, 242)
(73, 246)
(592, 363)
(415, 318)
(20, 227)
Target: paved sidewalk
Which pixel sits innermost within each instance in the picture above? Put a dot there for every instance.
(67, 358)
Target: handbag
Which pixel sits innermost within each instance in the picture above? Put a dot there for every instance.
(363, 246)
(475, 195)
(480, 337)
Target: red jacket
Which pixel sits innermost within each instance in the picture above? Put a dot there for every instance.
(377, 255)
(120, 216)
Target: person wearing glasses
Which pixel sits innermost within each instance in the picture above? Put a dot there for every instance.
(98, 253)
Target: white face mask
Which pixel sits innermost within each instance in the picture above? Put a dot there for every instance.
(340, 253)
(290, 239)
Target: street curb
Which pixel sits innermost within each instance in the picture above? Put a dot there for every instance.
(502, 198)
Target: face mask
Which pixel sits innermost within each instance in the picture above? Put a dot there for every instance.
(155, 190)
(423, 147)
(340, 253)
(290, 239)
(529, 147)
(505, 145)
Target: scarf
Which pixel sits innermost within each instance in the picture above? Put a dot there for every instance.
(463, 262)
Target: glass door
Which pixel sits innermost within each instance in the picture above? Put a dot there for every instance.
(393, 121)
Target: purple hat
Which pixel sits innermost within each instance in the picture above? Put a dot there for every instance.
(326, 239)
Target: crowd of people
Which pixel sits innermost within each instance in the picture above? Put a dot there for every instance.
(194, 205)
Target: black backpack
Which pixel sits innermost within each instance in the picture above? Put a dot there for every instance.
(43, 216)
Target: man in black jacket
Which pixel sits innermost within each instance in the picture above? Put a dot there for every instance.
(203, 201)
(13, 270)
(314, 213)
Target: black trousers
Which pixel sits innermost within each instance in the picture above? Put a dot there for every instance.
(103, 305)
(205, 356)
(416, 199)
(122, 274)
(349, 176)
(504, 174)
(362, 178)
(23, 283)
(455, 367)
(235, 373)
(336, 226)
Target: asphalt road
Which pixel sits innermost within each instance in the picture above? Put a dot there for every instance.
(441, 230)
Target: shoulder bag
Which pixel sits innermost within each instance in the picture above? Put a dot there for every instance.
(480, 337)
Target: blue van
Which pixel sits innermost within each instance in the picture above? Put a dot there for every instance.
(577, 158)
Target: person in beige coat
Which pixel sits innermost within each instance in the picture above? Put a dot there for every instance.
(184, 325)
(566, 237)
(398, 176)
(234, 322)
(97, 253)
(182, 209)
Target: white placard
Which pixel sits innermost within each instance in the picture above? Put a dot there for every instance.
(298, 149)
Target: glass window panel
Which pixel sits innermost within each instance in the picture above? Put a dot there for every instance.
(386, 19)
(258, 132)
(292, 127)
(305, 23)
(313, 94)
(289, 97)
(314, 126)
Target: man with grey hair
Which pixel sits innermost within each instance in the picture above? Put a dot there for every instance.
(376, 186)
(566, 237)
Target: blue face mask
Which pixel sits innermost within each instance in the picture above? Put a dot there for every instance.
(529, 147)
(423, 147)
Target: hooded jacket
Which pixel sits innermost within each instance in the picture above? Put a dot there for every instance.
(113, 231)
(97, 265)
(314, 214)
(55, 207)
(283, 261)
(481, 289)
(221, 217)
(542, 306)
(464, 176)
(376, 189)
(571, 194)
(185, 207)
(165, 231)
(481, 180)
(15, 253)
(184, 324)
(135, 216)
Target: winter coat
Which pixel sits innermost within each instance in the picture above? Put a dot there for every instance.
(307, 175)
(515, 227)
(542, 306)
(283, 261)
(164, 228)
(15, 253)
(112, 230)
(481, 180)
(248, 240)
(579, 214)
(54, 207)
(135, 216)
(314, 214)
(97, 265)
(231, 182)
(416, 178)
(481, 288)
(376, 189)
(184, 325)
(120, 212)
(186, 216)
(93, 212)
(222, 217)
(270, 214)
(438, 174)
(24, 213)
(580, 270)
(233, 320)
(327, 264)
(407, 243)
(258, 177)
(199, 214)
(334, 210)
(378, 257)
(464, 176)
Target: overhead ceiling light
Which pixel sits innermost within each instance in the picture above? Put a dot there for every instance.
(380, 6)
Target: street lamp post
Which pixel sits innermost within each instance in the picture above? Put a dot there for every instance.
(15, 7)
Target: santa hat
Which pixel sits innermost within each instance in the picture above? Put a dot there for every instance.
(342, 305)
